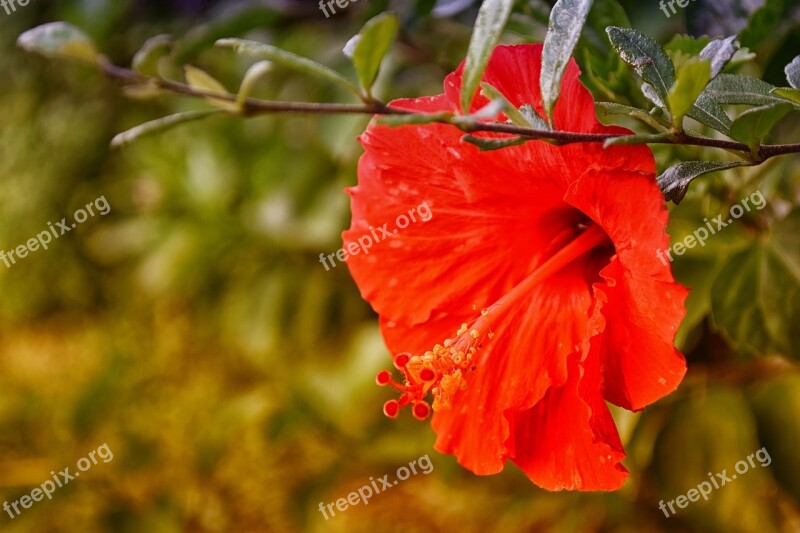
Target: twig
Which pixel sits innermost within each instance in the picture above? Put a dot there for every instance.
(254, 107)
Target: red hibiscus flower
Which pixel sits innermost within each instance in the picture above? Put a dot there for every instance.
(533, 294)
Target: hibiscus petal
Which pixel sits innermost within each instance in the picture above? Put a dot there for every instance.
(568, 440)
(527, 356)
(514, 71)
(492, 218)
(639, 305)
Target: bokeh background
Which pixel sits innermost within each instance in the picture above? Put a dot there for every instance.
(194, 331)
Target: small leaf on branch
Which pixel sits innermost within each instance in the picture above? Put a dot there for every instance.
(707, 111)
(203, 81)
(674, 182)
(566, 22)
(490, 110)
(646, 56)
(533, 118)
(719, 52)
(692, 78)
(486, 144)
(144, 91)
(735, 89)
(511, 112)
(492, 18)
(253, 74)
(792, 71)
(792, 95)
(59, 39)
(651, 94)
(289, 60)
(402, 120)
(752, 126)
(608, 109)
(643, 138)
(146, 59)
(367, 49)
(156, 126)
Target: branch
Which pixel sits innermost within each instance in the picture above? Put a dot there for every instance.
(254, 107)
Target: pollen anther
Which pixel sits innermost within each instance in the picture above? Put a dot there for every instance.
(440, 372)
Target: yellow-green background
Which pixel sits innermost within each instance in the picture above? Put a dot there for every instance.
(194, 330)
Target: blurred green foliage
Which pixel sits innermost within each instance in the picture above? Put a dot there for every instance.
(194, 330)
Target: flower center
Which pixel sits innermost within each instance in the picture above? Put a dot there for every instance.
(442, 371)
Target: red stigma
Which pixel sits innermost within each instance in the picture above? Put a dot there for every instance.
(391, 408)
(440, 372)
(421, 410)
(401, 360)
(426, 374)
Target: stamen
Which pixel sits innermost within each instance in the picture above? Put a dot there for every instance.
(421, 410)
(391, 408)
(401, 360)
(443, 371)
(383, 378)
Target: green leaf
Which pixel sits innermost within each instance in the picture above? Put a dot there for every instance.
(157, 126)
(603, 72)
(755, 299)
(367, 49)
(707, 111)
(792, 95)
(690, 81)
(643, 138)
(253, 74)
(144, 91)
(607, 109)
(686, 45)
(203, 81)
(289, 60)
(566, 22)
(762, 23)
(533, 118)
(146, 59)
(492, 17)
(674, 182)
(487, 112)
(752, 126)
(778, 429)
(719, 52)
(734, 89)
(59, 39)
(486, 144)
(792, 71)
(646, 56)
(511, 112)
(402, 120)
(651, 94)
